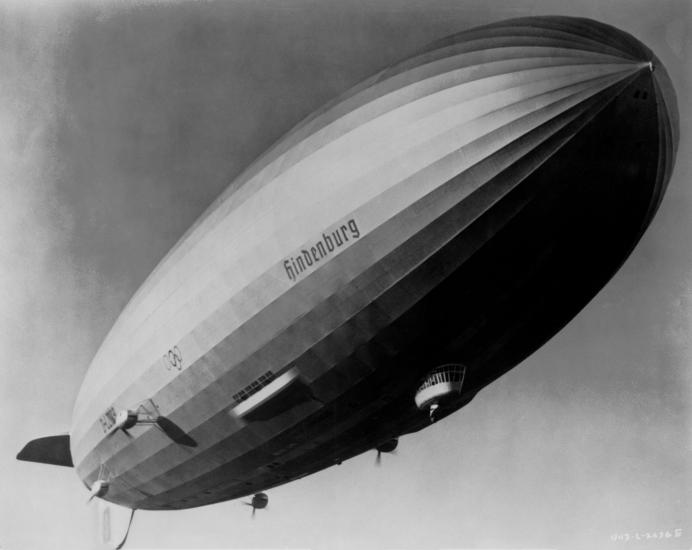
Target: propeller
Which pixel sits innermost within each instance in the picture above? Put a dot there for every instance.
(126, 419)
(121, 430)
(253, 509)
(98, 489)
(378, 458)
(388, 446)
(259, 501)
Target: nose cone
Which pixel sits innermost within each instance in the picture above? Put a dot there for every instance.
(666, 114)
(640, 125)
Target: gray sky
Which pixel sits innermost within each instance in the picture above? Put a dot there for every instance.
(121, 122)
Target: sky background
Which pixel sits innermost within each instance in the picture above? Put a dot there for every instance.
(120, 122)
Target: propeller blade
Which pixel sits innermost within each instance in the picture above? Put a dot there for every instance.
(378, 458)
(121, 430)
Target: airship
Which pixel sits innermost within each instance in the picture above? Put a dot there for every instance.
(392, 255)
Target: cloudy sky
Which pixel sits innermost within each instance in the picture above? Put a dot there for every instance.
(120, 122)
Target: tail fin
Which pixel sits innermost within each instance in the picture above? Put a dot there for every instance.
(48, 450)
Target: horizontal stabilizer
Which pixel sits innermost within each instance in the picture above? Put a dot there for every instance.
(48, 450)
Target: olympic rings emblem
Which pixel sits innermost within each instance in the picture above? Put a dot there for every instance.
(173, 359)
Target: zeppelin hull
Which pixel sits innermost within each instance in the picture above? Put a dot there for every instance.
(460, 206)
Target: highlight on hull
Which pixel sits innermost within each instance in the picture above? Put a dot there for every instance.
(425, 232)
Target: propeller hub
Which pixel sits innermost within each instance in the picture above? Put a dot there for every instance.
(98, 489)
(388, 446)
(125, 419)
(260, 500)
